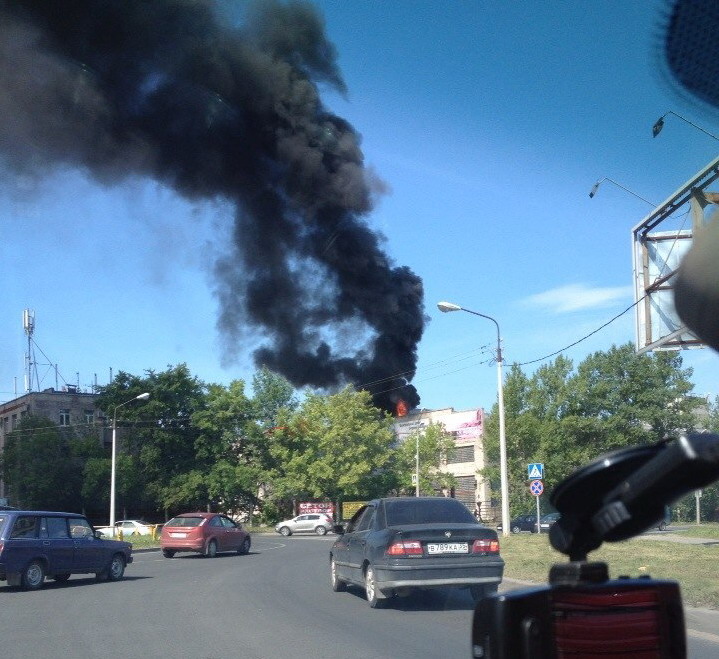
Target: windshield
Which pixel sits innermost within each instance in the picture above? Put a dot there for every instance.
(272, 258)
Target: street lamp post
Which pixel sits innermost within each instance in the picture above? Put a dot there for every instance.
(659, 124)
(446, 307)
(595, 187)
(144, 396)
(416, 465)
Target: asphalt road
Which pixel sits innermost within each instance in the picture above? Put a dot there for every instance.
(274, 602)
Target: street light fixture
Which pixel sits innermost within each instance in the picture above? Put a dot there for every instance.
(144, 396)
(595, 187)
(447, 307)
(659, 124)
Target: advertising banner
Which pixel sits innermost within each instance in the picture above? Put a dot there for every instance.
(326, 507)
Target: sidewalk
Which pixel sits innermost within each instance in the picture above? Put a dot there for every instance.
(668, 536)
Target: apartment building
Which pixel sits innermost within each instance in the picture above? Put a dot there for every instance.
(68, 407)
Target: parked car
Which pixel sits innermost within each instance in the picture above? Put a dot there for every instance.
(128, 527)
(546, 521)
(522, 523)
(39, 544)
(318, 523)
(204, 533)
(394, 546)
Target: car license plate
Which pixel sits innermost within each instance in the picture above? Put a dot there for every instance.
(178, 535)
(447, 548)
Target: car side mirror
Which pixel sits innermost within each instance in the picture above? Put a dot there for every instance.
(338, 529)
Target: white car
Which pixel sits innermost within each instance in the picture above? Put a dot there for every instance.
(128, 527)
(318, 523)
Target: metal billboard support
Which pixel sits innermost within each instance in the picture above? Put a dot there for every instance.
(655, 259)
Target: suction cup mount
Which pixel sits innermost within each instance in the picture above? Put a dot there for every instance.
(625, 492)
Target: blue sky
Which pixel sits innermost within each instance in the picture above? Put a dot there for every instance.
(489, 122)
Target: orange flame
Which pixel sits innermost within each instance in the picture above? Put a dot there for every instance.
(401, 408)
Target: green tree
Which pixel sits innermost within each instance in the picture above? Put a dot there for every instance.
(641, 398)
(566, 418)
(158, 433)
(230, 450)
(332, 447)
(273, 397)
(38, 467)
(685, 510)
(435, 447)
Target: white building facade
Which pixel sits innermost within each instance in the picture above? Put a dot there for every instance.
(467, 429)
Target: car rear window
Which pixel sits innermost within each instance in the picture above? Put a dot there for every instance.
(185, 521)
(412, 511)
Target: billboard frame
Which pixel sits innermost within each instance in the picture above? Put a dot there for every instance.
(653, 298)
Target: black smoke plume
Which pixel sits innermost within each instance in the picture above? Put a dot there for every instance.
(172, 90)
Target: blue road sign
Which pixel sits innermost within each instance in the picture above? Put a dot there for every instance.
(535, 470)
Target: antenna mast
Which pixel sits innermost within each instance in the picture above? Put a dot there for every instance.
(28, 324)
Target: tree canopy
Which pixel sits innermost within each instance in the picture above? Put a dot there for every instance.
(565, 417)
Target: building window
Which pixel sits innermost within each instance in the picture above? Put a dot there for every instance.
(465, 490)
(64, 417)
(13, 424)
(89, 416)
(461, 454)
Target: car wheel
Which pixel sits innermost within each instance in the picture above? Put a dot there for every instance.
(516, 529)
(481, 591)
(374, 598)
(321, 530)
(62, 577)
(245, 546)
(285, 531)
(168, 553)
(211, 550)
(662, 526)
(33, 576)
(117, 568)
(338, 586)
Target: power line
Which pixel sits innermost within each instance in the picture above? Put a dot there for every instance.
(584, 338)
(443, 362)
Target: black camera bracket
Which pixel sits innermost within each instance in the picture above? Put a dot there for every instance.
(624, 493)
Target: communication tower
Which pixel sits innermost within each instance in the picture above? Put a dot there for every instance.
(28, 324)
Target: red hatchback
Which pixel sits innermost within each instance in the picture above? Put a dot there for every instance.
(204, 533)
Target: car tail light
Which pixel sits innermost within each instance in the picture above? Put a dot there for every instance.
(485, 547)
(405, 548)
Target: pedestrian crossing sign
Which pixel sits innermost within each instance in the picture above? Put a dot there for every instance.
(535, 470)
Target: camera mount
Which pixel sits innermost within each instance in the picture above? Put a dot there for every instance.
(625, 492)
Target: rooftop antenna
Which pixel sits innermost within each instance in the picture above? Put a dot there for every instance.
(28, 324)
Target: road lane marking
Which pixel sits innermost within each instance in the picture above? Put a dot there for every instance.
(705, 636)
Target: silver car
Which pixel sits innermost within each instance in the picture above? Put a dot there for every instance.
(318, 523)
